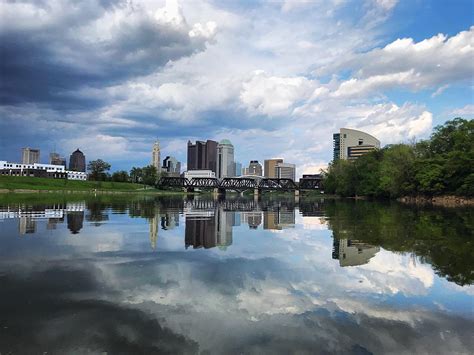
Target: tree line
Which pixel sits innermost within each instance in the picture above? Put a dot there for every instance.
(441, 165)
(98, 171)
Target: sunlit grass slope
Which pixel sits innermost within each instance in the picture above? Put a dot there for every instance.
(33, 183)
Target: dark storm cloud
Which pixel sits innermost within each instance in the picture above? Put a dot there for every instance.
(43, 312)
(49, 63)
(58, 59)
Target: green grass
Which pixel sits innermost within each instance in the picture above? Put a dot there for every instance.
(33, 183)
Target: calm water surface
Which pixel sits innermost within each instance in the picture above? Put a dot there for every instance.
(176, 275)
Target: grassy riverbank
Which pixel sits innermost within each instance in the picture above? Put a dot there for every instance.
(29, 184)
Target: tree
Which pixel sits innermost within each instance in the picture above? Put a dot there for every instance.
(149, 175)
(397, 171)
(367, 169)
(98, 169)
(340, 178)
(429, 177)
(120, 176)
(136, 174)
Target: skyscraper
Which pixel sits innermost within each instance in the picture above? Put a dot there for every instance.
(172, 166)
(225, 159)
(270, 165)
(77, 161)
(56, 159)
(202, 155)
(156, 156)
(30, 156)
(238, 168)
(285, 171)
(349, 144)
(255, 168)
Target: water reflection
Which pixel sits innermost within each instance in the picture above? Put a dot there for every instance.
(442, 238)
(53, 214)
(177, 275)
(353, 252)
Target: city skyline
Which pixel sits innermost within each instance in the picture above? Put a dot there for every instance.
(274, 78)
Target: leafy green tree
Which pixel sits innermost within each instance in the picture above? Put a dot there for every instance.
(340, 178)
(454, 135)
(429, 177)
(397, 171)
(367, 169)
(136, 175)
(98, 169)
(120, 176)
(149, 175)
(453, 142)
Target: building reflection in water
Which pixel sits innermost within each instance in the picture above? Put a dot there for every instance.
(212, 226)
(29, 216)
(26, 225)
(167, 221)
(253, 219)
(75, 221)
(279, 219)
(170, 220)
(153, 231)
(352, 252)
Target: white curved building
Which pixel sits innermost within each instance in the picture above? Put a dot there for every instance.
(349, 144)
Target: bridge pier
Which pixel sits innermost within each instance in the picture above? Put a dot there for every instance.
(221, 191)
(256, 194)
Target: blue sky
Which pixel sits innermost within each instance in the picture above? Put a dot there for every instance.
(276, 78)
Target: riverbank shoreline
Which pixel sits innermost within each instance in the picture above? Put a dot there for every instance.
(92, 192)
(34, 185)
(442, 201)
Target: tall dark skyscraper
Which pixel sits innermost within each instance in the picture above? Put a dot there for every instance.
(77, 161)
(202, 155)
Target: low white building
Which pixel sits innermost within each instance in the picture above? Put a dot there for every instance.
(50, 168)
(76, 175)
(199, 174)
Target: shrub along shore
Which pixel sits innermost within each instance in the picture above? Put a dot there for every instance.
(440, 169)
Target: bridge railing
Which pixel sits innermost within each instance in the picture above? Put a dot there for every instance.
(240, 183)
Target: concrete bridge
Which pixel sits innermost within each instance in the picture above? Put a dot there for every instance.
(240, 184)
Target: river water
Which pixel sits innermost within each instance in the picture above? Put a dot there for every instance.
(199, 275)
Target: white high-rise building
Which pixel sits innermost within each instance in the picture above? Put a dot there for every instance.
(156, 156)
(225, 159)
(30, 156)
